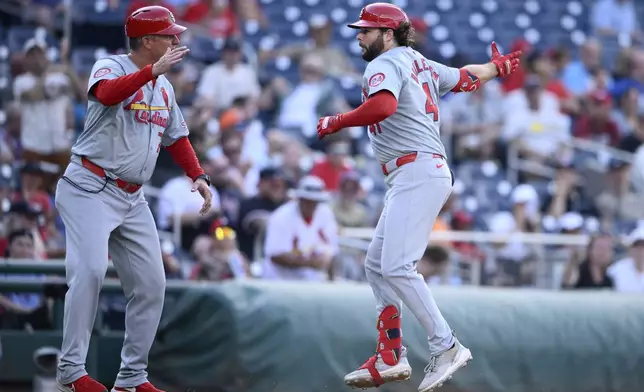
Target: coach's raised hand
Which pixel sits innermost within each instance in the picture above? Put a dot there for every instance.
(170, 58)
(505, 64)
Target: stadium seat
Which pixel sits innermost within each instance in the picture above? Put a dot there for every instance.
(98, 12)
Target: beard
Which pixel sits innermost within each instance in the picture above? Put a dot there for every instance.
(374, 50)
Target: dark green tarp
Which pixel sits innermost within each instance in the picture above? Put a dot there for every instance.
(306, 337)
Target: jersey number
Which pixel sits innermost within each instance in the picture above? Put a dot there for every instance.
(430, 106)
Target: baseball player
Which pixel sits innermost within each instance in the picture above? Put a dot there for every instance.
(132, 113)
(401, 89)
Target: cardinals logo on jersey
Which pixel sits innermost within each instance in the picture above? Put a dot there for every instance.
(146, 114)
(164, 94)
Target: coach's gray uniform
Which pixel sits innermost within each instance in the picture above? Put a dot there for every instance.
(124, 140)
(416, 191)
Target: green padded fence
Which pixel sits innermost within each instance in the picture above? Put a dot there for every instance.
(286, 337)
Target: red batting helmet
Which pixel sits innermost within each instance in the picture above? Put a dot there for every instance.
(380, 15)
(152, 20)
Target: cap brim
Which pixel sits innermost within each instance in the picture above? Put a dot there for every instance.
(319, 197)
(363, 24)
(175, 29)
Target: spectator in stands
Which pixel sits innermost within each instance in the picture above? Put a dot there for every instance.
(43, 13)
(538, 130)
(44, 93)
(171, 263)
(628, 273)
(578, 75)
(232, 143)
(33, 191)
(565, 192)
(560, 57)
(469, 252)
(634, 139)
(434, 266)
(22, 216)
(348, 210)
(10, 147)
(239, 124)
(596, 124)
(254, 212)
(591, 272)
(334, 164)
(290, 153)
(184, 78)
(221, 83)
(475, 122)
(633, 77)
(216, 16)
(615, 18)
(533, 88)
(17, 310)
(178, 203)
(336, 61)
(250, 10)
(513, 258)
(314, 96)
(570, 223)
(544, 67)
(618, 196)
(218, 257)
(301, 235)
(229, 183)
(626, 114)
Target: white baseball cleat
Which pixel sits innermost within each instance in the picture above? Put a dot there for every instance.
(362, 378)
(443, 366)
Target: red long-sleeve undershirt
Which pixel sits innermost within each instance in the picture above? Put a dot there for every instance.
(376, 108)
(183, 154)
(114, 91)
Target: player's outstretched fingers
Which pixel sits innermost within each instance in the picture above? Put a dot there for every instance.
(515, 55)
(495, 50)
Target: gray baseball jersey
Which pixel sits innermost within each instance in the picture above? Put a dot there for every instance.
(417, 83)
(125, 139)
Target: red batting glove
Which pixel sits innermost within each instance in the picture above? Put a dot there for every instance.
(328, 125)
(505, 64)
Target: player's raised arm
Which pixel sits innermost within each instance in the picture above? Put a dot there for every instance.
(383, 83)
(473, 75)
(376, 108)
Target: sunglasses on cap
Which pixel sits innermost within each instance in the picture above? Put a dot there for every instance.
(224, 232)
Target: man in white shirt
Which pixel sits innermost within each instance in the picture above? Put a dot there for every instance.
(538, 128)
(44, 93)
(301, 235)
(227, 79)
(628, 273)
(177, 203)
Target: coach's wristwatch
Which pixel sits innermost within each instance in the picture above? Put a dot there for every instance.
(204, 177)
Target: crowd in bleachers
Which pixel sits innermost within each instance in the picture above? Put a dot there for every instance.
(261, 73)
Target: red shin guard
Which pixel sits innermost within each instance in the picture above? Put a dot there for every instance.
(389, 342)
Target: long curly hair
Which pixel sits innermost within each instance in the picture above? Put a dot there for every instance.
(405, 34)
